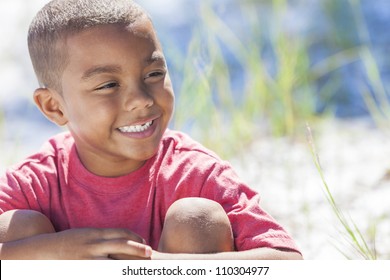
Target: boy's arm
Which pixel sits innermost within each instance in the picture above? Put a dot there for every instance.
(254, 254)
(86, 243)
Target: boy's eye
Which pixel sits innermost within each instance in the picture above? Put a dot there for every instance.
(108, 86)
(155, 74)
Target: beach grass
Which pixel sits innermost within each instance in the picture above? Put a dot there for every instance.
(352, 236)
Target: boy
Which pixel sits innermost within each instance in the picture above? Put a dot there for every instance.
(119, 185)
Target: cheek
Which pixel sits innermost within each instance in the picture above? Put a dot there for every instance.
(168, 97)
(168, 87)
(163, 96)
(88, 112)
(101, 114)
(166, 101)
(172, 103)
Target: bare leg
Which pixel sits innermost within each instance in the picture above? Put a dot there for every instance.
(19, 224)
(195, 226)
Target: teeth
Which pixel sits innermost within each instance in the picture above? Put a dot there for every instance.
(136, 128)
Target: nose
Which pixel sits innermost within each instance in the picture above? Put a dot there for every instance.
(137, 99)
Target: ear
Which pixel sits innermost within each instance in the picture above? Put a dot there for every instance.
(50, 103)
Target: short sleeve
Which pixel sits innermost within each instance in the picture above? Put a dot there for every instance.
(12, 194)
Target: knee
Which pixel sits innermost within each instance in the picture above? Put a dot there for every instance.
(196, 225)
(19, 224)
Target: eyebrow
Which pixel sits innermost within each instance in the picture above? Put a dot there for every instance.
(106, 69)
(155, 57)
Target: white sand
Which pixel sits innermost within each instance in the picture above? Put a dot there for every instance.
(355, 162)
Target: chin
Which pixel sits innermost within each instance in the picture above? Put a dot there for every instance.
(142, 156)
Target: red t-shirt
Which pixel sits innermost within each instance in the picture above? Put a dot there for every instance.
(55, 183)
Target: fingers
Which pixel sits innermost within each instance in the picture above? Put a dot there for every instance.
(126, 249)
(121, 234)
(124, 244)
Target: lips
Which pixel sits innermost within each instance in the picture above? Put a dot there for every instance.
(136, 128)
(141, 129)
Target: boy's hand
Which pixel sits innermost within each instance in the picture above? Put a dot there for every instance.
(88, 243)
(75, 244)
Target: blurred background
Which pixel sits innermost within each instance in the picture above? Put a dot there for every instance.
(294, 93)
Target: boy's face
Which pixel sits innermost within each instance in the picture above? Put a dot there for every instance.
(117, 96)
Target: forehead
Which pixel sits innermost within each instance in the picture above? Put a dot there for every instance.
(142, 28)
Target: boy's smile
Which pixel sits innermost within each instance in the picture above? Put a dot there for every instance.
(116, 96)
